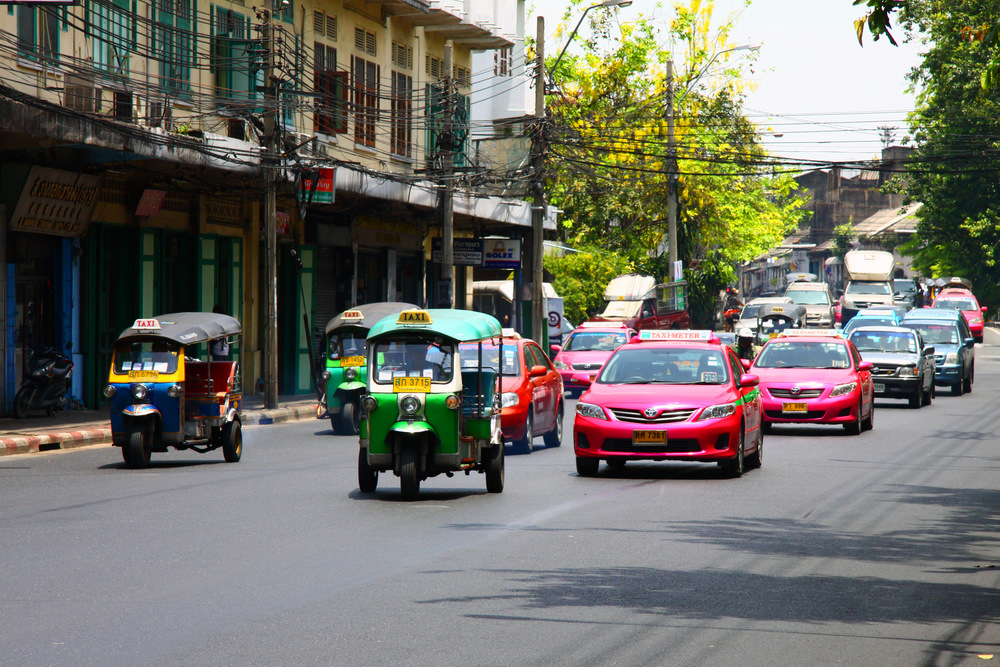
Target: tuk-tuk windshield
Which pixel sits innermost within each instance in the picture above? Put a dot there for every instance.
(412, 359)
(469, 355)
(346, 344)
(776, 324)
(146, 355)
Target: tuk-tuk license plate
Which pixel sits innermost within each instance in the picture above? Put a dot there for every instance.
(649, 437)
(139, 376)
(794, 407)
(879, 388)
(420, 385)
(345, 362)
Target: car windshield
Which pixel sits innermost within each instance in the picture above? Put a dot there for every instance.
(587, 341)
(956, 304)
(902, 342)
(750, 311)
(160, 356)
(809, 297)
(867, 288)
(904, 286)
(412, 359)
(870, 322)
(803, 354)
(469, 354)
(936, 334)
(346, 344)
(663, 365)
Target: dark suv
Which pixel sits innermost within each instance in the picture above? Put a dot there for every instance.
(954, 347)
(907, 293)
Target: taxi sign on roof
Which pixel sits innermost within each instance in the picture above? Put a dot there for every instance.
(777, 309)
(414, 317)
(792, 333)
(353, 315)
(602, 325)
(146, 324)
(676, 335)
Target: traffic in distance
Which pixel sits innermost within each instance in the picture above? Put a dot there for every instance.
(435, 393)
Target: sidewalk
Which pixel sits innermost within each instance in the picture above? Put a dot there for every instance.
(81, 428)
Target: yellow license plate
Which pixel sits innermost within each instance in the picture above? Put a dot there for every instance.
(419, 385)
(649, 437)
(139, 376)
(352, 361)
(793, 407)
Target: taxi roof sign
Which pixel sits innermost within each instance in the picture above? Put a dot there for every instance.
(420, 317)
(678, 335)
(602, 325)
(353, 315)
(793, 333)
(146, 325)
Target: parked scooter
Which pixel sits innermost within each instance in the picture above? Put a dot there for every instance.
(46, 384)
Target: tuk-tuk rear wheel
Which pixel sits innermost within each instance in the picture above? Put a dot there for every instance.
(232, 441)
(136, 452)
(495, 470)
(409, 479)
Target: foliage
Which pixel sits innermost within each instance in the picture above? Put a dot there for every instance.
(842, 237)
(580, 279)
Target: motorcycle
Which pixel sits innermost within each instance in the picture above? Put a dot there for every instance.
(46, 384)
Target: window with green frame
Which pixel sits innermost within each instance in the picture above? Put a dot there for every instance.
(38, 32)
(112, 26)
(237, 70)
(174, 44)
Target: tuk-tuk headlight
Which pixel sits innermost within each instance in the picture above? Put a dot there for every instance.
(109, 391)
(452, 402)
(174, 390)
(351, 374)
(410, 405)
(140, 392)
(326, 376)
(369, 403)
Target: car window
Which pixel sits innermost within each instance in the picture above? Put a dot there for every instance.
(539, 358)
(663, 365)
(884, 341)
(945, 333)
(803, 354)
(736, 365)
(809, 297)
(470, 357)
(956, 304)
(583, 341)
(867, 288)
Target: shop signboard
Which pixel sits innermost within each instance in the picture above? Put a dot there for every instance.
(465, 252)
(56, 202)
(502, 253)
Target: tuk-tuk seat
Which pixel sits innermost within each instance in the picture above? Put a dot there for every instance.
(210, 379)
(471, 391)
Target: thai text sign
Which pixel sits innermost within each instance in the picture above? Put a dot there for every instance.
(56, 202)
(465, 252)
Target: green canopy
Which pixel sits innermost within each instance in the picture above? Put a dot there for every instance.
(458, 325)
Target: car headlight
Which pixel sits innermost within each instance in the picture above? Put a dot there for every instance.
(109, 391)
(951, 358)
(561, 365)
(369, 403)
(976, 320)
(509, 399)
(717, 411)
(590, 410)
(410, 405)
(140, 391)
(326, 376)
(174, 390)
(907, 371)
(351, 374)
(844, 389)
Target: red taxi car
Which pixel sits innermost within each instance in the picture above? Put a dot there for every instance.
(965, 301)
(585, 350)
(531, 393)
(815, 377)
(670, 395)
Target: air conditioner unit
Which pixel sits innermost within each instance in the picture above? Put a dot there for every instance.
(79, 93)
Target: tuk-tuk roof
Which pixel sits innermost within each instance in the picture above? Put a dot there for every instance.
(187, 328)
(458, 325)
(792, 311)
(370, 314)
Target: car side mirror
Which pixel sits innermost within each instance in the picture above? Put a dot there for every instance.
(555, 349)
(866, 366)
(970, 342)
(746, 364)
(928, 349)
(749, 380)
(538, 371)
(984, 308)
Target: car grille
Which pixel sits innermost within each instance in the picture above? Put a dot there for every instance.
(787, 393)
(939, 359)
(885, 371)
(587, 367)
(678, 446)
(664, 417)
(809, 414)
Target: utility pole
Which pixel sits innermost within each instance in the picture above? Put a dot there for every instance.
(538, 316)
(446, 143)
(270, 218)
(671, 174)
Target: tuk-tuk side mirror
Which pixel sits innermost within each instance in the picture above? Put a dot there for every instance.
(866, 366)
(749, 380)
(538, 371)
(555, 349)
(928, 349)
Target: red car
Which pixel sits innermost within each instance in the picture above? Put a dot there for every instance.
(670, 395)
(585, 350)
(965, 301)
(531, 394)
(815, 377)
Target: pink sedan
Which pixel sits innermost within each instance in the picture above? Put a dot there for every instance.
(586, 349)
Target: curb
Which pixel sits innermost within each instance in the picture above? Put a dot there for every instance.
(34, 443)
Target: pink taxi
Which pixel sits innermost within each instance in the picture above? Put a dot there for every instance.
(815, 377)
(585, 350)
(670, 395)
(965, 301)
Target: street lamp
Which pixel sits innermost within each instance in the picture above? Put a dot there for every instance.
(606, 3)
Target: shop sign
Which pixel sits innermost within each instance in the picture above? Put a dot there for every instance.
(368, 230)
(226, 211)
(323, 194)
(56, 202)
(465, 252)
(502, 253)
(151, 202)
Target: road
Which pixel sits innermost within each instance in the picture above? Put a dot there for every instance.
(879, 549)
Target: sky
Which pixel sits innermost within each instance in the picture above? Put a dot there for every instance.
(819, 95)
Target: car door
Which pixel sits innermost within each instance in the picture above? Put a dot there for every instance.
(541, 399)
(751, 407)
(864, 377)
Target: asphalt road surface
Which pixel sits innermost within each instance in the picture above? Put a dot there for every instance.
(878, 549)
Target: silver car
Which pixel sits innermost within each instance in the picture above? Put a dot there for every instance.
(904, 364)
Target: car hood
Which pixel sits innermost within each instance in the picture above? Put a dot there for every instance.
(898, 358)
(663, 395)
(803, 376)
(585, 357)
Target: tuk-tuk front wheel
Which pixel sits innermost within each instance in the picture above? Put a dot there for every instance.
(136, 452)
(367, 476)
(494, 470)
(232, 441)
(409, 476)
(349, 418)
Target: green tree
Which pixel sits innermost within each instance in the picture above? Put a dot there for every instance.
(580, 278)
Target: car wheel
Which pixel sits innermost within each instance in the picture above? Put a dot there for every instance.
(918, 399)
(929, 394)
(854, 428)
(587, 466)
(957, 388)
(136, 450)
(869, 422)
(554, 437)
(409, 482)
(367, 476)
(967, 382)
(495, 470)
(232, 441)
(734, 467)
(523, 446)
(765, 426)
(756, 459)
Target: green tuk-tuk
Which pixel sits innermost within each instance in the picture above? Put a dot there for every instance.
(345, 375)
(432, 406)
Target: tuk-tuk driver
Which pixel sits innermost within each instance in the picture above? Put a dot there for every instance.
(743, 344)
